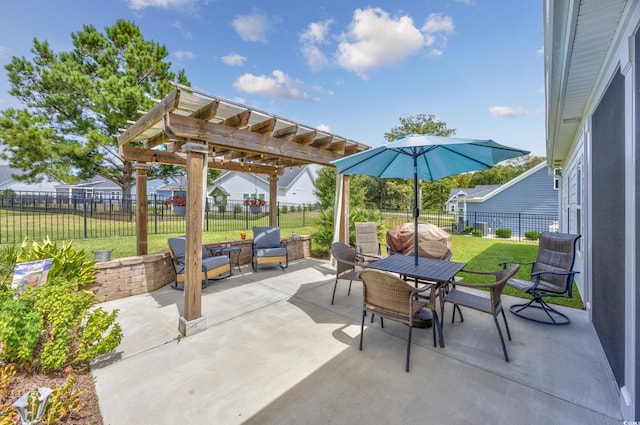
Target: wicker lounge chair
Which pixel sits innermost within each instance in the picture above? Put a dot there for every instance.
(391, 298)
(551, 276)
(268, 248)
(491, 305)
(212, 265)
(347, 265)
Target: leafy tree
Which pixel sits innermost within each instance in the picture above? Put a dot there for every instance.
(431, 193)
(326, 189)
(77, 101)
(419, 124)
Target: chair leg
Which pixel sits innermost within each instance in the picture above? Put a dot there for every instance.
(506, 325)
(504, 347)
(334, 291)
(349, 291)
(438, 324)
(381, 321)
(364, 314)
(408, 347)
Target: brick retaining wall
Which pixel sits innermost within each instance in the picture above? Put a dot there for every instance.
(128, 276)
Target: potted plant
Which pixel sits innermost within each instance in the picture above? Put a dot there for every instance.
(255, 204)
(179, 204)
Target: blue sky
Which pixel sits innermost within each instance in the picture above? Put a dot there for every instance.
(347, 66)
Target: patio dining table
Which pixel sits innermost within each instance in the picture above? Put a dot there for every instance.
(428, 269)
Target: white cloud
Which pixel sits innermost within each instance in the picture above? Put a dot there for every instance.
(507, 111)
(278, 84)
(315, 35)
(314, 57)
(184, 55)
(376, 39)
(436, 28)
(324, 127)
(255, 26)
(3, 51)
(467, 2)
(234, 59)
(540, 52)
(162, 4)
(316, 32)
(182, 30)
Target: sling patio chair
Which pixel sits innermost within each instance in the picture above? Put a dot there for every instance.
(268, 248)
(551, 276)
(367, 243)
(491, 305)
(392, 298)
(212, 265)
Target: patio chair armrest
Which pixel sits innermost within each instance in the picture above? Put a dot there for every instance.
(505, 264)
(560, 273)
(477, 272)
(474, 285)
(283, 244)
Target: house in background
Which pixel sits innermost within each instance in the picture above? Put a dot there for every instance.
(458, 195)
(592, 80)
(529, 202)
(295, 186)
(8, 182)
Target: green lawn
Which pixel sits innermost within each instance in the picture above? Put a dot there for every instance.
(479, 253)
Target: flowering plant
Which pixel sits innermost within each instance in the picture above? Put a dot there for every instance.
(178, 201)
(255, 202)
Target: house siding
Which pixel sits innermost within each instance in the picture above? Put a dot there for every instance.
(532, 195)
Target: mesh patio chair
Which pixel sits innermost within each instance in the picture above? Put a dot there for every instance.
(212, 265)
(347, 265)
(268, 248)
(391, 298)
(491, 305)
(367, 243)
(551, 276)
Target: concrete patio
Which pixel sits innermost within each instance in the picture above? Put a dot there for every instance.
(276, 351)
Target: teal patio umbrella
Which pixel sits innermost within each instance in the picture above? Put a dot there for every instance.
(426, 157)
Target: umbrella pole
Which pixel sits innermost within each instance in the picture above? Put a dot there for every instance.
(416, 208)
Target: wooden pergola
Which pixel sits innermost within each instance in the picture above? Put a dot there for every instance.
(196, 130)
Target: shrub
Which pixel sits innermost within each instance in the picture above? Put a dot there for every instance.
(533, 235)
(55, 324)
(285, 209)
(503, 232)
(323, 238)
(222, 208)
(477, 233)
(468, 229)
(238, 208)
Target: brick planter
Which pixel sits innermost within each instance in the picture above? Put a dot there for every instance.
(128, 276)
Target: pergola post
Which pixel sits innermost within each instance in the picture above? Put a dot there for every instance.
(341, 208)
(192, 321)
(273, 199)
(142, 208)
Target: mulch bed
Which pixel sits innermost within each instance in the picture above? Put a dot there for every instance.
(89, 413)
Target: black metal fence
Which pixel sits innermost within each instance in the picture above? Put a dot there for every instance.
(37, 215)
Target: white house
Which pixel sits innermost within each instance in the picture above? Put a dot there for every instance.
(592, 81)
(295, 186)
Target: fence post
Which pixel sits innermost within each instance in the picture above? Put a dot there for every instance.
(84, 202)
(155, 213)
(519, 226)
(304, 212)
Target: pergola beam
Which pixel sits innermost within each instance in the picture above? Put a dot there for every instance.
(131, 153)
(219, 135)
